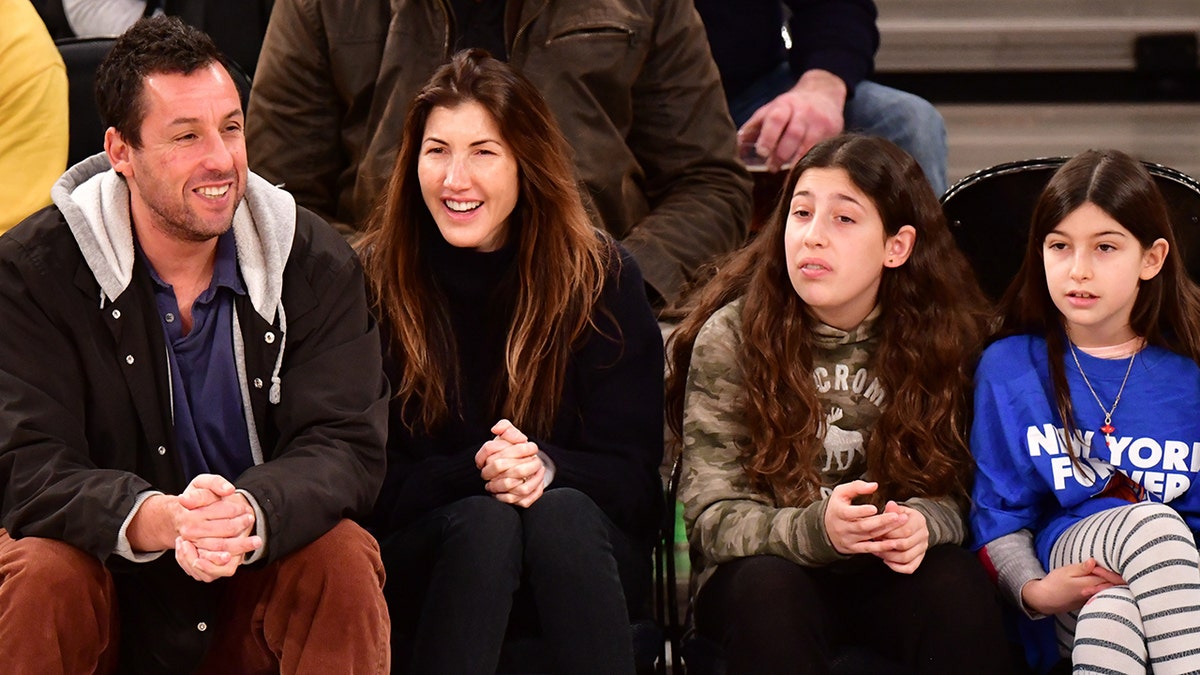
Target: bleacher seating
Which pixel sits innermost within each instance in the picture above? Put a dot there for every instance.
(1034, 78)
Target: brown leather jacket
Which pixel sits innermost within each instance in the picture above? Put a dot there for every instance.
(632, 83)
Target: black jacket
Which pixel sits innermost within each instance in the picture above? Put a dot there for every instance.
(834, 35)
(85, 410)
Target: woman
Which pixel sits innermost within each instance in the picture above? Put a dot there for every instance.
(526, 427)
(821, 386)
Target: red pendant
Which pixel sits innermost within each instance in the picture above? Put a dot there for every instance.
(1107, 429)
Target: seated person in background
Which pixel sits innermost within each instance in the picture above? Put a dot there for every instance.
(630, 82)
(787, 100)
(33, 113)
(1101, 313)
(95, 18)
(522, 488)
(156, 398)
(236, 26)
(819, 389)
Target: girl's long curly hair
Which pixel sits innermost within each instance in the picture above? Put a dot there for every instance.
(561, 259)
(931, 326)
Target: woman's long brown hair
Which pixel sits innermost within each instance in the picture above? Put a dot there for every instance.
(931, 327)
(561, 259)
(1166, 312)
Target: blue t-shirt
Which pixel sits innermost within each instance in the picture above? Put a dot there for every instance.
(1025, 478)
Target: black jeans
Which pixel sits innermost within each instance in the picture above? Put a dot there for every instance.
(774, 616)
(467, 574)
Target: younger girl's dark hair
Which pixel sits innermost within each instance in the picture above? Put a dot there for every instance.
(931, 326)
(1166, 312)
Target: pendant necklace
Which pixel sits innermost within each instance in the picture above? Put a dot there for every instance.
(1107, 429)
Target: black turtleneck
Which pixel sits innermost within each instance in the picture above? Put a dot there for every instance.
(479, 291)
(607, 435)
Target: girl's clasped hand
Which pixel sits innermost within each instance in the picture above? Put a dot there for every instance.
(897, 535)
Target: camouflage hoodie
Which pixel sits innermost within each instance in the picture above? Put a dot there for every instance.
(726, 518)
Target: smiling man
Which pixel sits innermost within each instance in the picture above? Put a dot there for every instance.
(191, 401)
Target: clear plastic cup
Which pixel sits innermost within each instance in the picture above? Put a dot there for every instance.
(748, 153)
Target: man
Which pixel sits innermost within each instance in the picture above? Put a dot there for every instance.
(788, 98)
(191, 402)
(631, 82)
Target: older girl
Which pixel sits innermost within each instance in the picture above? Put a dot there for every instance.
(522, 491)
(823, 426)
(1101, 338)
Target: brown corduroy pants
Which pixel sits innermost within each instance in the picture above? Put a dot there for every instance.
(318, 610)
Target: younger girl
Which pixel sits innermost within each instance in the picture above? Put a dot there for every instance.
(823, 428)
(1103, 337)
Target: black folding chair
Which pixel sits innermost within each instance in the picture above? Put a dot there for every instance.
(989, 213)
(82, 56)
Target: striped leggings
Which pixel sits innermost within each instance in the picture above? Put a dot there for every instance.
(1153, 623)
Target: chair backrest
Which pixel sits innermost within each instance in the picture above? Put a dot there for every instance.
(82, 56)
(54, 17)
(989, 213)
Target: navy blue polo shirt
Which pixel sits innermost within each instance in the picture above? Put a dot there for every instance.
(210, 425)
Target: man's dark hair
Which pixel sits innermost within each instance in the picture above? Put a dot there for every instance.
(160, 44)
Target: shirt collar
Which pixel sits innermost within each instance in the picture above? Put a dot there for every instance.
(225, 268)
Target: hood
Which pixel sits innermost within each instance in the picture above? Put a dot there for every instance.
(94, 199)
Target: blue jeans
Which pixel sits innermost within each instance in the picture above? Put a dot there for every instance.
(905, 119)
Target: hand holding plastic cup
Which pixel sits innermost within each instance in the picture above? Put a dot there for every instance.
(748, 153)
